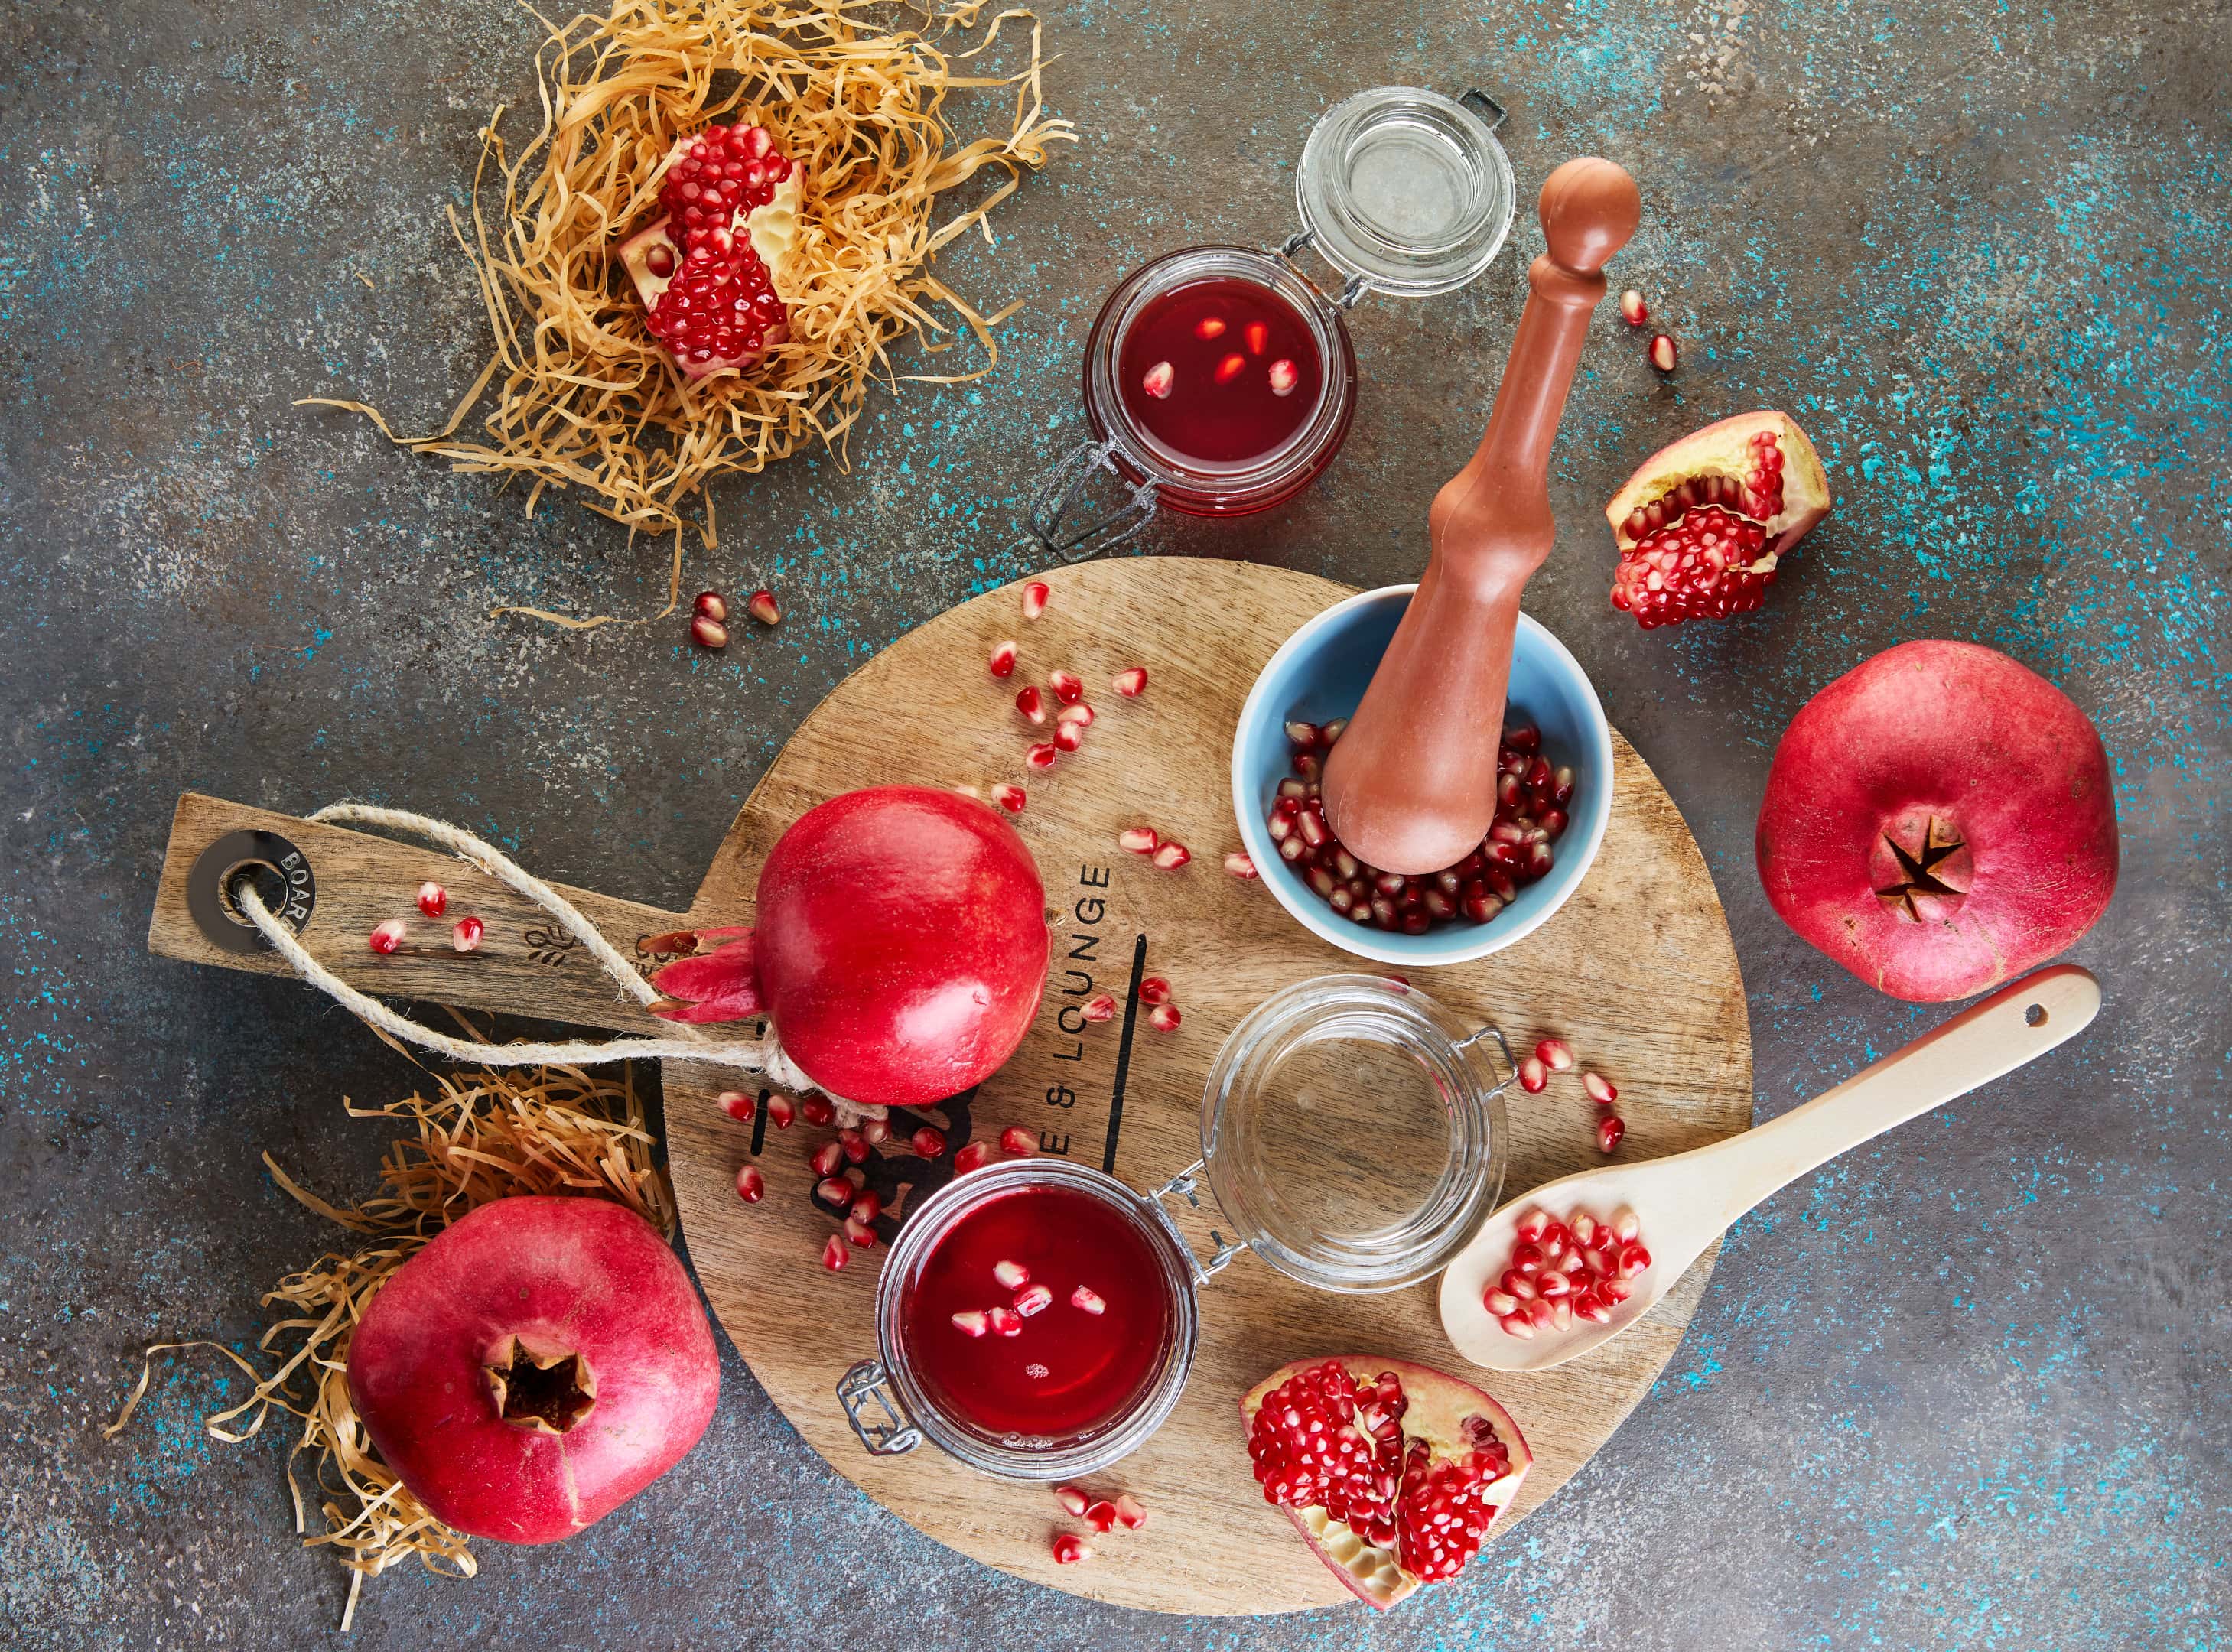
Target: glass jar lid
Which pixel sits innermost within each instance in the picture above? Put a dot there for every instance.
(1353, 1131)
(1406, 191)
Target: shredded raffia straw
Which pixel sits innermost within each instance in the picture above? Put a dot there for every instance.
(584, 396)
(487, 1136)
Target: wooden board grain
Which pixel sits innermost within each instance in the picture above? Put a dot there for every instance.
(1637, 969)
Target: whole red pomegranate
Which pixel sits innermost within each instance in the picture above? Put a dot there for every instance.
(1392, 1473)
(1938, 819)
(900, 948)
(538, 1364)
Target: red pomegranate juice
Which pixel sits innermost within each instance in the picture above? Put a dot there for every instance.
(1056, 1370)
(1220, 372)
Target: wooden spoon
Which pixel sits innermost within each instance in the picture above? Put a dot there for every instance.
(1412, 786)
(1686, 1202)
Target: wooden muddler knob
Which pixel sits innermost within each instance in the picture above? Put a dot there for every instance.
(1411, 786)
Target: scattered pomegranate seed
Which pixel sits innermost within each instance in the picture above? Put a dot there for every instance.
(1259, 338)
(816, 1110)
(751, 1186)
(928, 1143)
(1002, 663)
(1533, 1075)
(1633, 1259)
(1626, 1227)
(1231, 368)
(855, 1145)
(1517, 1324)
(836, 1253)
(825, 1158)
(738, 1106)
(1010, 798)
(1033, 1299)
(1555, 1054)
(1532, 1224)
(1172, 855)
(708, 632)
(780, 1110)
(385, 937)
(971, 1157)
(1087, 1300)
(1131, 682)
(432, 897)
(712, 603)
(867, 1205)
(1041, 756)
(1031, 704)
(1070, 1499)
(1284, 378)
(859, 1233)
(1158, 379)
(1100, 1515)
(1601, 1090)
(1209, 326)
(1154, 989)
(1068, 736)
(1080, 714)
(1005, 1322)
(1141, 840)
(1239, 864)
(761, 607)
(1102, 1007)
(1130, 1514)
(1068, 687)
(1662, 353)
(1012, 1276)
(1034, 598)
(1163, 1018)
(1018, 1143)
(1498, 1301)
(833, 1191)
(970, 1324)
(1068, 1549)
(1632, 309)
(1609, 1130)
(465, 934)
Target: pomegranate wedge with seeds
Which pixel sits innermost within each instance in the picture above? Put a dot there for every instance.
(1702, 524)
(705, 271)
(1392, 1473)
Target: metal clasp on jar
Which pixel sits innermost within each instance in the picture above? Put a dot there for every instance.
(868, 1380)
(1186, 1186)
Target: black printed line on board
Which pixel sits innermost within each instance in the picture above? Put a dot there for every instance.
(1124, 1055)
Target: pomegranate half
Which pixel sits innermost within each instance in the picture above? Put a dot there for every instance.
(1704, 521)
(1938, 819)
(1392, 1473)
(538, 1364)
(900, 948)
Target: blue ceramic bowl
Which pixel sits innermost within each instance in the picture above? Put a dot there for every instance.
(1319, 673)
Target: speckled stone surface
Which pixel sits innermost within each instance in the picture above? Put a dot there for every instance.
(1968, 1388)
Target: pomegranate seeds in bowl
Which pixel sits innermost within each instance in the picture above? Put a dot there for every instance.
(1532, 796)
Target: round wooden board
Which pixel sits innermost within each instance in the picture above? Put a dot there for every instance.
(1637, 969)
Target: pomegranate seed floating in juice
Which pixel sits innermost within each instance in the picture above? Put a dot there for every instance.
(1065, 1371)
(1209, 415)
(1221, 380)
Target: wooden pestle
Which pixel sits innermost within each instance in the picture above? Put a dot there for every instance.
(1411, 786)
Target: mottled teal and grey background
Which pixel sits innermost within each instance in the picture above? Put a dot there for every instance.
(1966, 1389)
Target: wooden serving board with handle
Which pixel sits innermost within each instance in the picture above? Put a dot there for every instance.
(1637, 971)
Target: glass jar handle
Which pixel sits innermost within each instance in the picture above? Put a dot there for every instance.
(1185, 1185)
(867, 1380)
(1060, 487)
